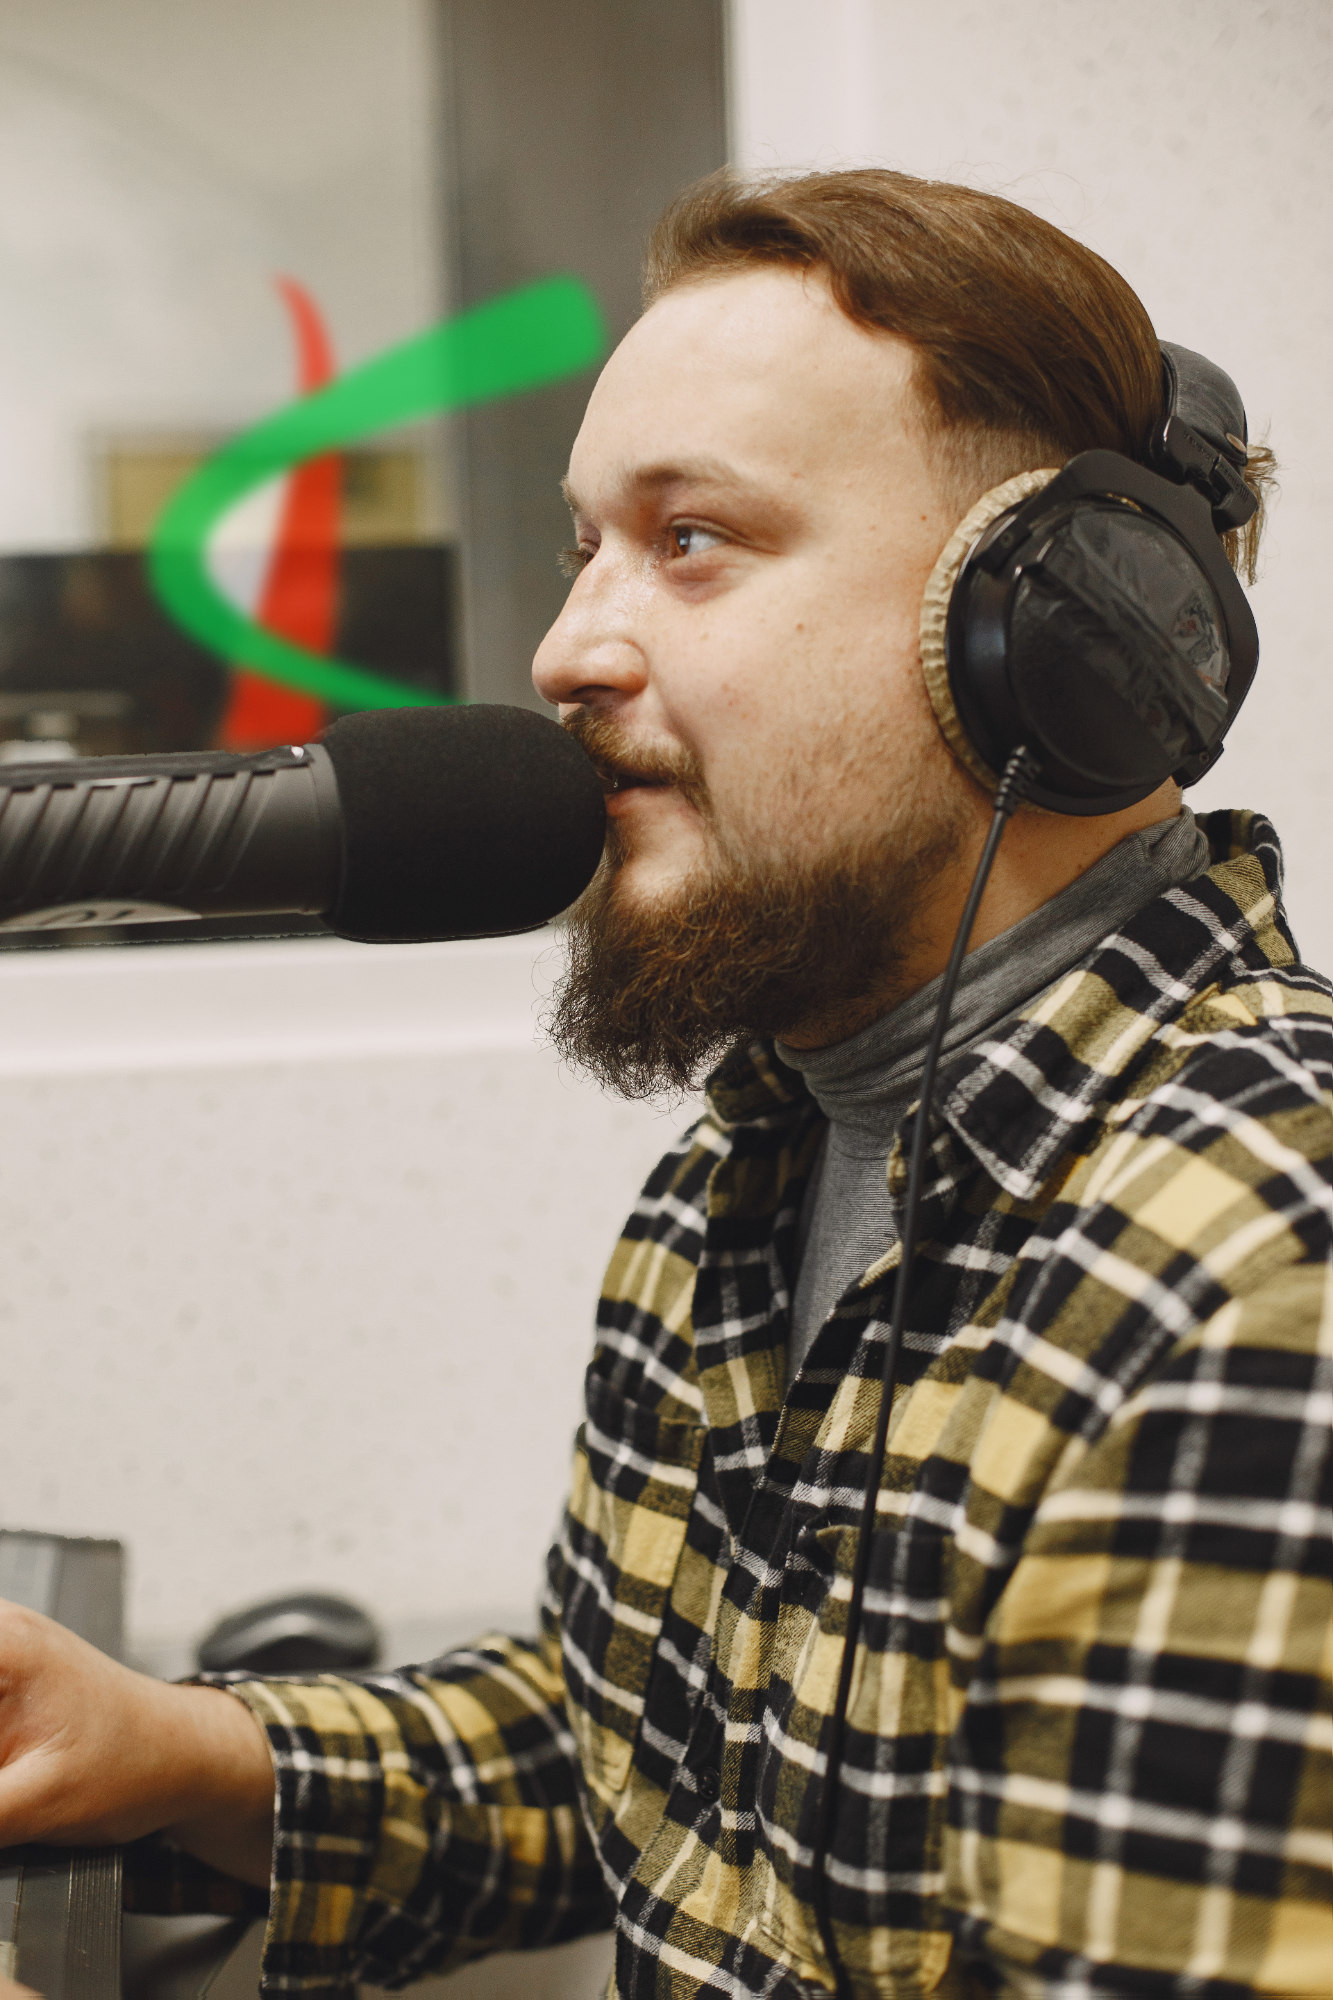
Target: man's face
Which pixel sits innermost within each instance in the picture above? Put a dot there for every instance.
(756, 516)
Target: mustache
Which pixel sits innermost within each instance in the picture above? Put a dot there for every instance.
(621, 762)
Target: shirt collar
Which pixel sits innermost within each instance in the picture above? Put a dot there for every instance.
(1018, 1099)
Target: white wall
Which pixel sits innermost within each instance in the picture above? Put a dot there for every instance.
(299, 1248)
(1189, 143)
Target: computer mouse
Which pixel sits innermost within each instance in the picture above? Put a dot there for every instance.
(301, 1632)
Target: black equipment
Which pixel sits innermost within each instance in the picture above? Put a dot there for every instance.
(1203, 440)
(1096, 642)
(301, 1632)
(399, 825)
(62, 1930)
(1099, 623)
(60, 1908)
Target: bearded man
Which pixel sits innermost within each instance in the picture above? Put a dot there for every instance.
(1087, 1747)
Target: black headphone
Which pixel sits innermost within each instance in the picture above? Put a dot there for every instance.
(1097, 620)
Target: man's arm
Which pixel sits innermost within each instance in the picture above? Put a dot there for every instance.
(92, 1752)
(423, 1817)
(426, 1816)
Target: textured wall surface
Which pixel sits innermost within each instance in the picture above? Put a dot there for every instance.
(1190, 144)
(299, 1250)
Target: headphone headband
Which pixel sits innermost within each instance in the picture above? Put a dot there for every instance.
(1203, 436)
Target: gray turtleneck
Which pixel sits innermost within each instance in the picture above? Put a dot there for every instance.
(867, 1084)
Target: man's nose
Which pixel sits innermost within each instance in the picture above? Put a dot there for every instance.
(589, 651)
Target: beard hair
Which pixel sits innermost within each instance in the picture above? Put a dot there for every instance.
(654, 994)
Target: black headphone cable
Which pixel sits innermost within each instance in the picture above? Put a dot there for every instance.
(1019, 773)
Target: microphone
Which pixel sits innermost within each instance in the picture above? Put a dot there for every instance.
(398, 826)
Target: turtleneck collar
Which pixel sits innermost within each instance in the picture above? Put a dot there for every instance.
(865, 1084)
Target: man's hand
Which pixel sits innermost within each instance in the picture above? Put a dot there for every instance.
(93, 1753)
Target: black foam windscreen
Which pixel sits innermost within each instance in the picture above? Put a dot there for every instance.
(460, 822)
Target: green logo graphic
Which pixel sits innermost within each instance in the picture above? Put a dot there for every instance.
(522, 340)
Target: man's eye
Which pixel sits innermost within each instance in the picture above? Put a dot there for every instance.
(689, 541)
(570, 561)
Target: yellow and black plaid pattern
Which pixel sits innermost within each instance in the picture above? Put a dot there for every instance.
(1090, 1749)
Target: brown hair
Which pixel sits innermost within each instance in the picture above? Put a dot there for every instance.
(1030, 347)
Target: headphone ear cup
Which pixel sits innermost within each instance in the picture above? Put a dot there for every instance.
(1117, 653)
(1096, 621)
(935, 605)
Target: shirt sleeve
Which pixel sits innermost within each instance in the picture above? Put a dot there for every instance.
(424, 1817)
(1142, 1801)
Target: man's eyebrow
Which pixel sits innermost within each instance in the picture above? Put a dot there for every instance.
(641, 479)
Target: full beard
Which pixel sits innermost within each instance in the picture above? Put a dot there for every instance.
(655, 992)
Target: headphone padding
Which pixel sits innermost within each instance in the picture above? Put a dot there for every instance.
(935, 612)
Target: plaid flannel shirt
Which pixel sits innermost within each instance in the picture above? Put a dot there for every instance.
(1090, 1746)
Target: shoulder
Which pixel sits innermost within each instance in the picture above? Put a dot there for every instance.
(1252, 1049)
(1217, 1163)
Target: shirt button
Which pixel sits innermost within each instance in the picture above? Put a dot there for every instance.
(708, 1785)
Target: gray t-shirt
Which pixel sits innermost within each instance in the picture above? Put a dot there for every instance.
(867, 1084)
